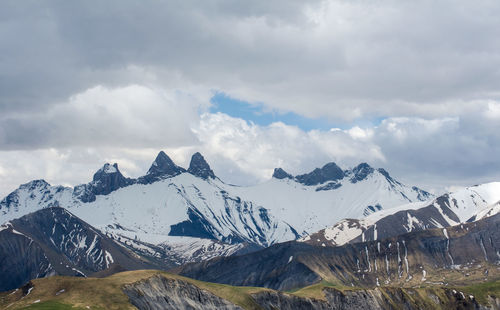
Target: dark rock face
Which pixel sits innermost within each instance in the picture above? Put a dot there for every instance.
(269, 268)
(158, 293)
(394, 260)
(106, 180)
(281, 174)
(328, 186)
(371, 209)
(360, 172)
(20, 259)
(199, 167)
(163, 167)
(329, 172)
(53, 241)
(197, 226)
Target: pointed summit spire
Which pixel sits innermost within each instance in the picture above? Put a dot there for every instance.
(199, 167)
(163, 167)
(281, 174)
(361, 172)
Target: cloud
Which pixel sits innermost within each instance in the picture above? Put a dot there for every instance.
(340, 59)
(256, 150)
(131, 116)
(86, 82)
(431, 153)
(435, 154)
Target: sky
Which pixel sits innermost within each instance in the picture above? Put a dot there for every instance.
(411, 86)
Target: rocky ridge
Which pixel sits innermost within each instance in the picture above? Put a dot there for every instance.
(465, 251)
(52, 241)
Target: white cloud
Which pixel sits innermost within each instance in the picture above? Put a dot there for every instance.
(493, 110)
(432, 153)
(130, 116)
(360, 133)
(255, 150)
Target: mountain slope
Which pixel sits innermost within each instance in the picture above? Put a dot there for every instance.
(468, 204)
(460, 254)
(52, 241)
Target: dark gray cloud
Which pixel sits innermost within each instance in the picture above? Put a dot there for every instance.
(344, 59)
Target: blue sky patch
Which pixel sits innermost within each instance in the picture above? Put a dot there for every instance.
(258, 114)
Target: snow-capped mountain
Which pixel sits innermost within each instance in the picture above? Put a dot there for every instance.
(52, 241)
(466, 205)
(170, 202)
(326, 195)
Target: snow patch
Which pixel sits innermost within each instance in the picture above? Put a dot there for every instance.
(108, 258)
(445, 233)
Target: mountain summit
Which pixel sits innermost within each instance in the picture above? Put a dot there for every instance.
(281, 174)
(108, 179)
(199, 167)
(105, 180)
(163, 167)
(329, 172)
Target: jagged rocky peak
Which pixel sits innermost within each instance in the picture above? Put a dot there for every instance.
(108, 171)
(329, 172)
(281, 174)
(164, 166)
(105, 180)
(199, 167)
(35, 184)
(360, 172)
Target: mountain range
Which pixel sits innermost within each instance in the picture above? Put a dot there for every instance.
(171, 205)
(357, 226)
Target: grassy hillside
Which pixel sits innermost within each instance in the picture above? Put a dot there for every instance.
(106, 293)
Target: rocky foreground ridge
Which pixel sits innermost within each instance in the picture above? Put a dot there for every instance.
(156, 290)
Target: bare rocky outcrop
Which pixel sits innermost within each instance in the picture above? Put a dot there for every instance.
(374, 299)
(159, 292)
(163, 293)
